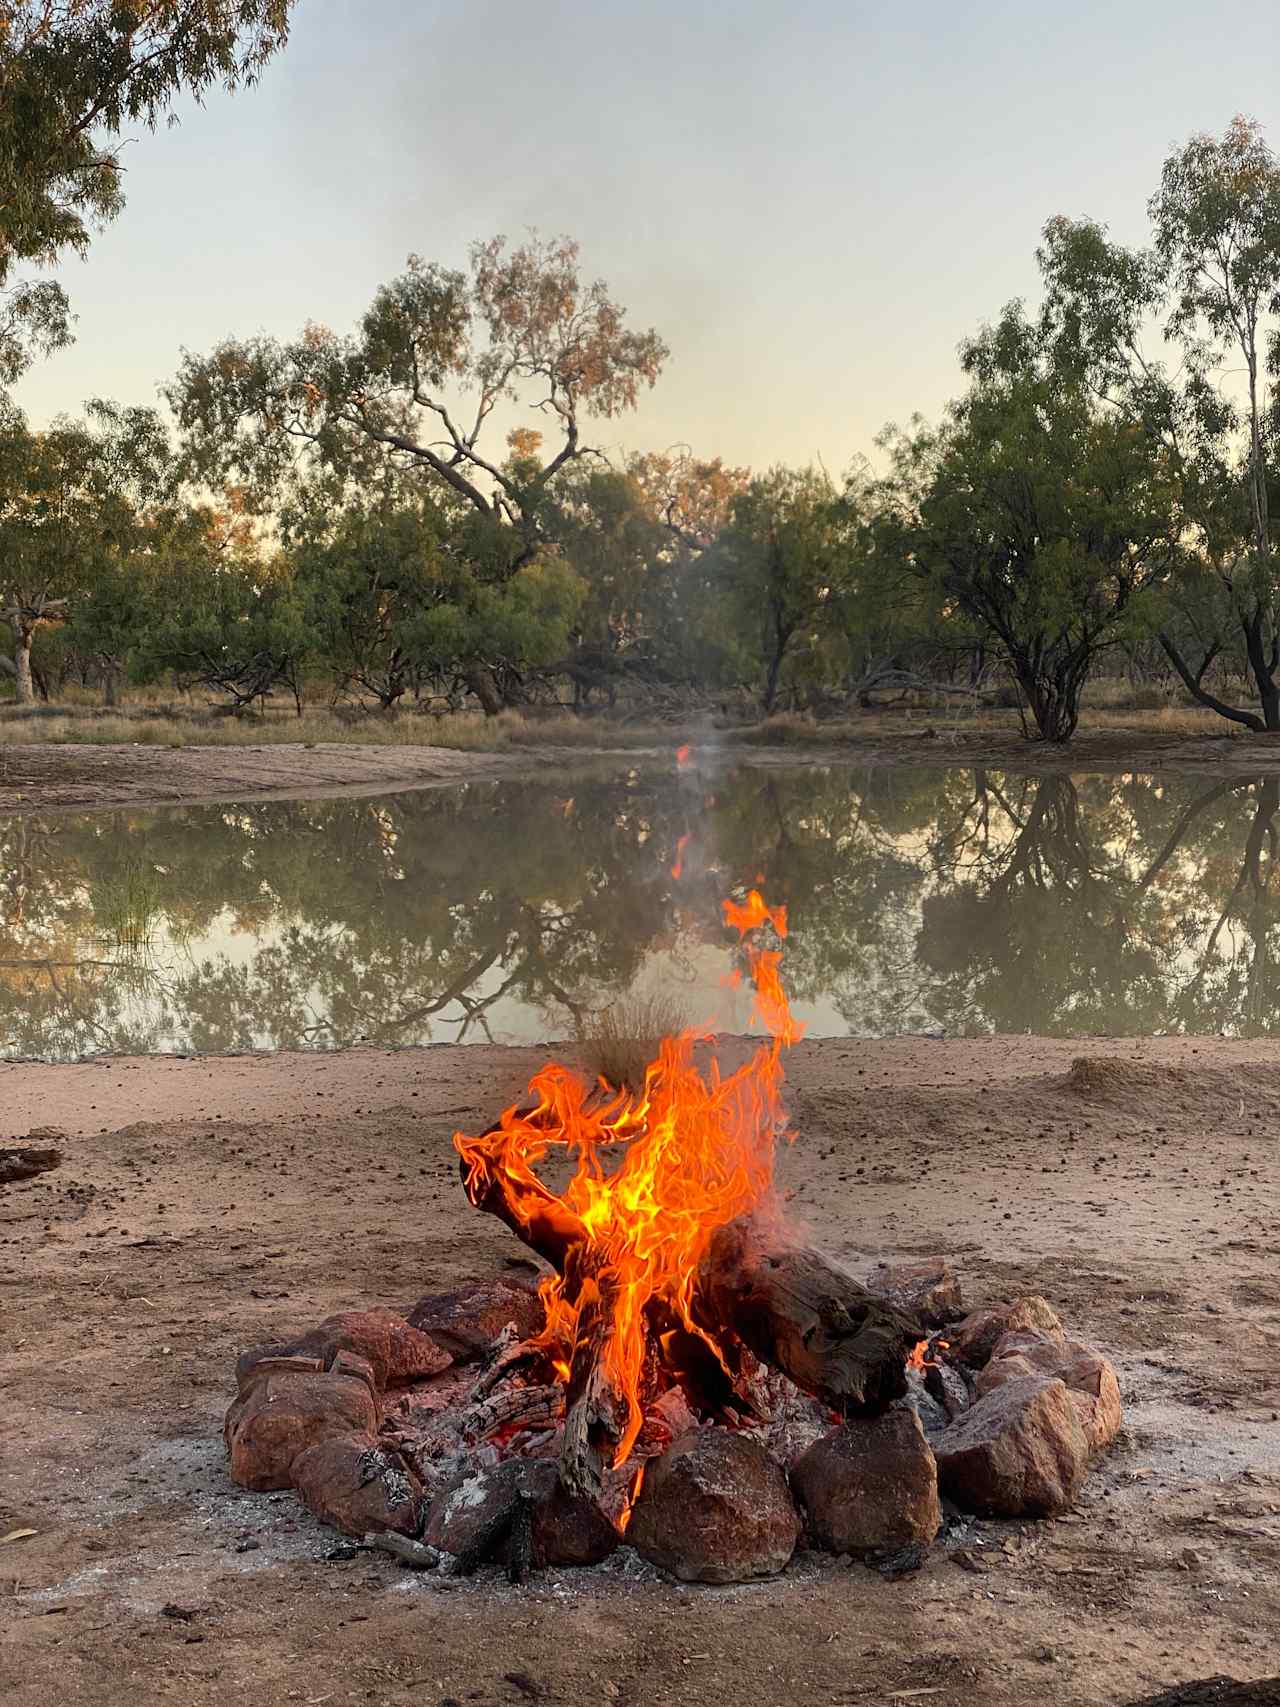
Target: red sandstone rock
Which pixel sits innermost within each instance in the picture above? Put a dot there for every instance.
(974, 1339)
(283, 1414)
(567, 1530)
(467, 1321)
(870, 1484)
(396, 1350)
(1018, 1452)
(1090, 1378)
(351, 1482)
(929, 1290)
(715, 1508)
(1033, 1315)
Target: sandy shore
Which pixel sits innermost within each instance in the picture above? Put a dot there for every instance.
(44, 777)
(206, 1204)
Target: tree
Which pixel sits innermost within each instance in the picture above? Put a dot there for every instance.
(780, 556)
(438, 352)
(1211, 282)
(70, 503)
(1038, 515)
(73, 74)
(239, 627)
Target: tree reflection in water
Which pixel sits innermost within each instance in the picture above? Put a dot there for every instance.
(971, 900)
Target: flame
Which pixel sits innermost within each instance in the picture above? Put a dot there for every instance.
(920, 1359)
(682, 755)
(681, 844)
(689, 1153)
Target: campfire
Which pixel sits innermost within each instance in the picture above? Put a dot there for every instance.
(688, 1377)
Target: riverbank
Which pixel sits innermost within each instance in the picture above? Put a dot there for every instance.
(209, 1203)
(51, 776)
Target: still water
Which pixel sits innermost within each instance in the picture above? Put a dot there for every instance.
(965, 900)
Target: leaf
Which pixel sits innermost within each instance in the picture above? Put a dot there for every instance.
(17, 1535)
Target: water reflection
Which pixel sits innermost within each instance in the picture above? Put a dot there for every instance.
(968, 900)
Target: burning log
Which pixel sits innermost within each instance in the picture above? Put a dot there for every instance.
(789, 1305)
(662, 1275)
(801, 1314)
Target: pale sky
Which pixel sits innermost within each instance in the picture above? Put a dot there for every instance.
(812, 203)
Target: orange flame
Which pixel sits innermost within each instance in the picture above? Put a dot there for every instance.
(678, 868)
(692, 1152)
(920, 1359)
(682, 755)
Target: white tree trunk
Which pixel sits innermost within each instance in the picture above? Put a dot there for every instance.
(22, 638)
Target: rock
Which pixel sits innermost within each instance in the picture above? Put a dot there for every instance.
(351, 1482)
(467, 1321)
(1033, 1315)
(946, 1387)
(715, 1508)
(871, 1484)
(396, 1350)
(265, 1359)
(567, 1530)
(348, 1363)
(928, 1290)
(285, 1412)
(974, 1339)
(1087, 1374)
(1018, 1452)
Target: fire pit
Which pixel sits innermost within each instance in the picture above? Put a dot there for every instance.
(687, 1378)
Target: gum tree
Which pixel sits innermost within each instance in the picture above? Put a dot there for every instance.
(74, 75)
(438, 355)
(1210, 283)
(1035, 514)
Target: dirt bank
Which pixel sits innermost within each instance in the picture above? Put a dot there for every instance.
(48, 776)
(205, 1204)
(41, 778)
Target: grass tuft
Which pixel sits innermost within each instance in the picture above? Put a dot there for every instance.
(618, 1042)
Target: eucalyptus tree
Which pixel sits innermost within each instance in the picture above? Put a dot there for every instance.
(72, 508)
(438, 355)
(1035, 513)
(779, 558)
(1209, 282)
(74, 74)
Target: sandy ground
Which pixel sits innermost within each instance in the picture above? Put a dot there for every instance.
(38, 777)
(53, 776)
(207, 1204)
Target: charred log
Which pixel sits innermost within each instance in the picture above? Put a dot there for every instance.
(596, 1412)
(805, 1316)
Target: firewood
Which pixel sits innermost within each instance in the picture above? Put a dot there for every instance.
(542, 1221)
(803, 1315)
(595, 1411)
(789, 1305)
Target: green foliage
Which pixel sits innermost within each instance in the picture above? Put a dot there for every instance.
(1043, 517)
(73, 74)
(520, 325)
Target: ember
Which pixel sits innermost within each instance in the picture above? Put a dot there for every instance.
(676, 1377)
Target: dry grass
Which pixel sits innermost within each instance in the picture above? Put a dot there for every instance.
(1109, 707)
(618, 1042)
(180, 727)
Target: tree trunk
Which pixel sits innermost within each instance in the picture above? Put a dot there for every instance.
(24, 685)
(483, 686)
